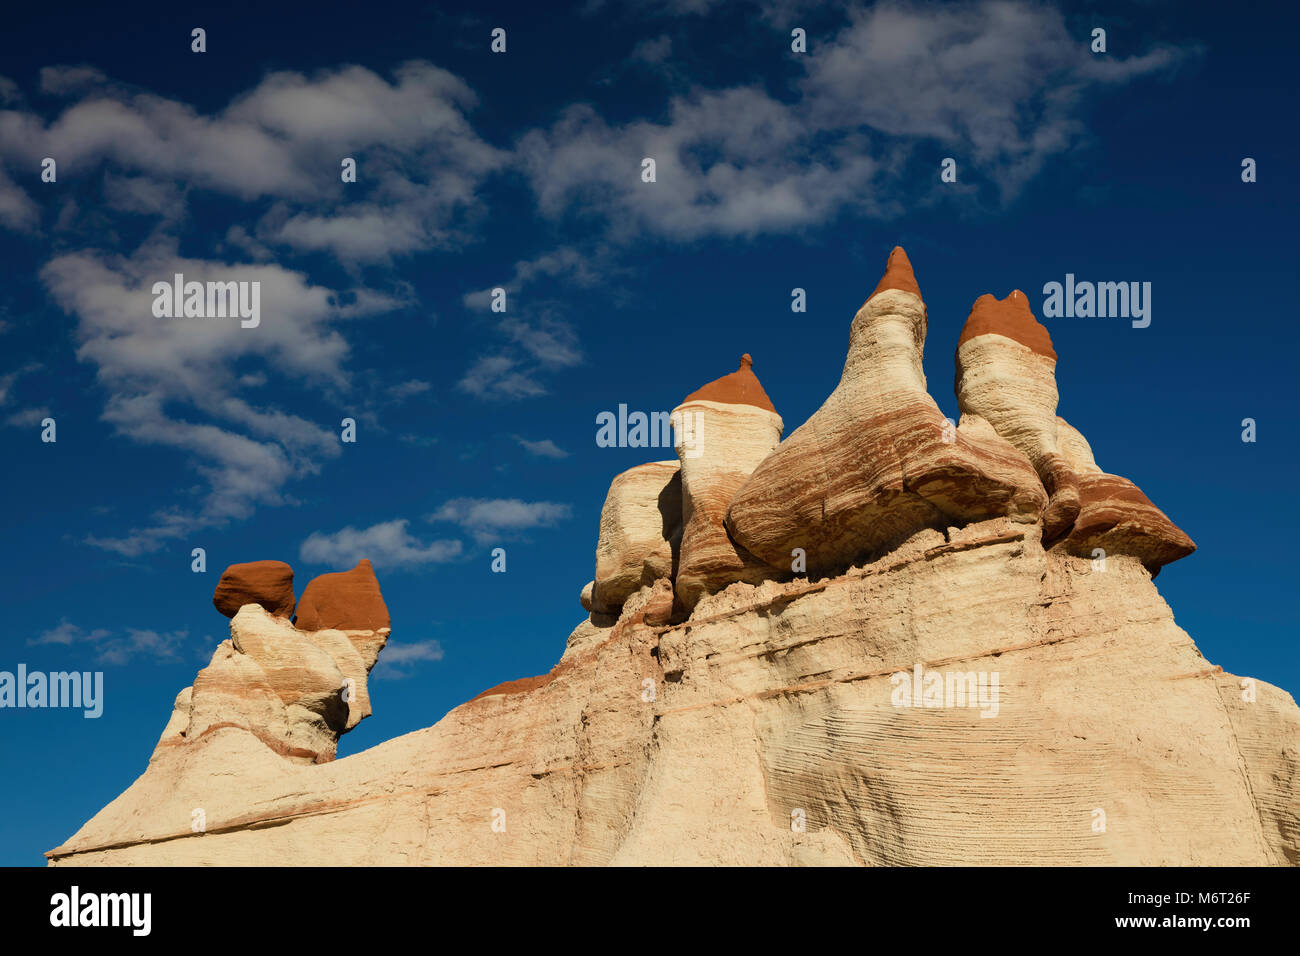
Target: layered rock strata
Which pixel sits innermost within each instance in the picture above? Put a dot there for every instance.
(291, 688)
(348, 601)
(1006, 374)
(956, 680)
(766, 730)
(878, 461)
(1006, 377)
(1115, 517)
(724, 429)
(640, 533)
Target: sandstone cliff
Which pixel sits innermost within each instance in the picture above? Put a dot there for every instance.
(975, 668)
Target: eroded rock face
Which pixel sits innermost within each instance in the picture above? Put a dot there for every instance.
(664, 739)
(778, 700)
(284, 687)
(724, 429)
(1006, 378)
(1115, 517)
(1006, 374)
(293, 689)
(348, 601)
(640, 533)
(267, 583)
(878, 461)
(1075, 448)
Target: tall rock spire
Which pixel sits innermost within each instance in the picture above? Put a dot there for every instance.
(1006, 374)
(724, 429)
(878, 461)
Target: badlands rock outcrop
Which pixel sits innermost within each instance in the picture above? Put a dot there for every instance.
(952, 684)
(1114, 516)
(1006, 374)
(292, 689)
(724, 429)
(878, 461)
(640, 533)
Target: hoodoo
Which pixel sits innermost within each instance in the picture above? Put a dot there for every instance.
(878, 461)
(732, 426)
(715, 691)
(1006, 374)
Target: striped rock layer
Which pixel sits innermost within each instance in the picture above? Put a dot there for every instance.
(724, 430)
(293, 689)
(348, 601)
(766, 731)
(878, 461)
(1115, 517)
(1006, 374)
(1006, 377)
(640, 533)
(704, 707)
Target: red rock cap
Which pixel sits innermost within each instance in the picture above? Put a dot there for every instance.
(1010, 317)
(344, 600)
(741, 387)
(898, 275)
(268, 583)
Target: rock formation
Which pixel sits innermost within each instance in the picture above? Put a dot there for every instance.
(771, 737)
(1006, 374)
(640, 532)
(293, 689)
(878, 461)
(960, 682)
(268, 583)
(724, 430)
(1114, 516)
(347, 601)
(1006, 377)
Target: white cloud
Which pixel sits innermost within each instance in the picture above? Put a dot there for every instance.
(420, 162)
(499, 377)
(387, 544)
(539, 343)
(652, 50)
(66, 633)
(543, 449)
(110, 649)
(174, 382)
(487, 518)
(404, 390)
(62, 80)
(998, 84)
(396, 659)
(17, 210)
(155, 645)
(553, 343)
(28, 417)
(583, 269)
(9, 379)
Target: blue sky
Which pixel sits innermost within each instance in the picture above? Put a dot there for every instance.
(476, 429)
